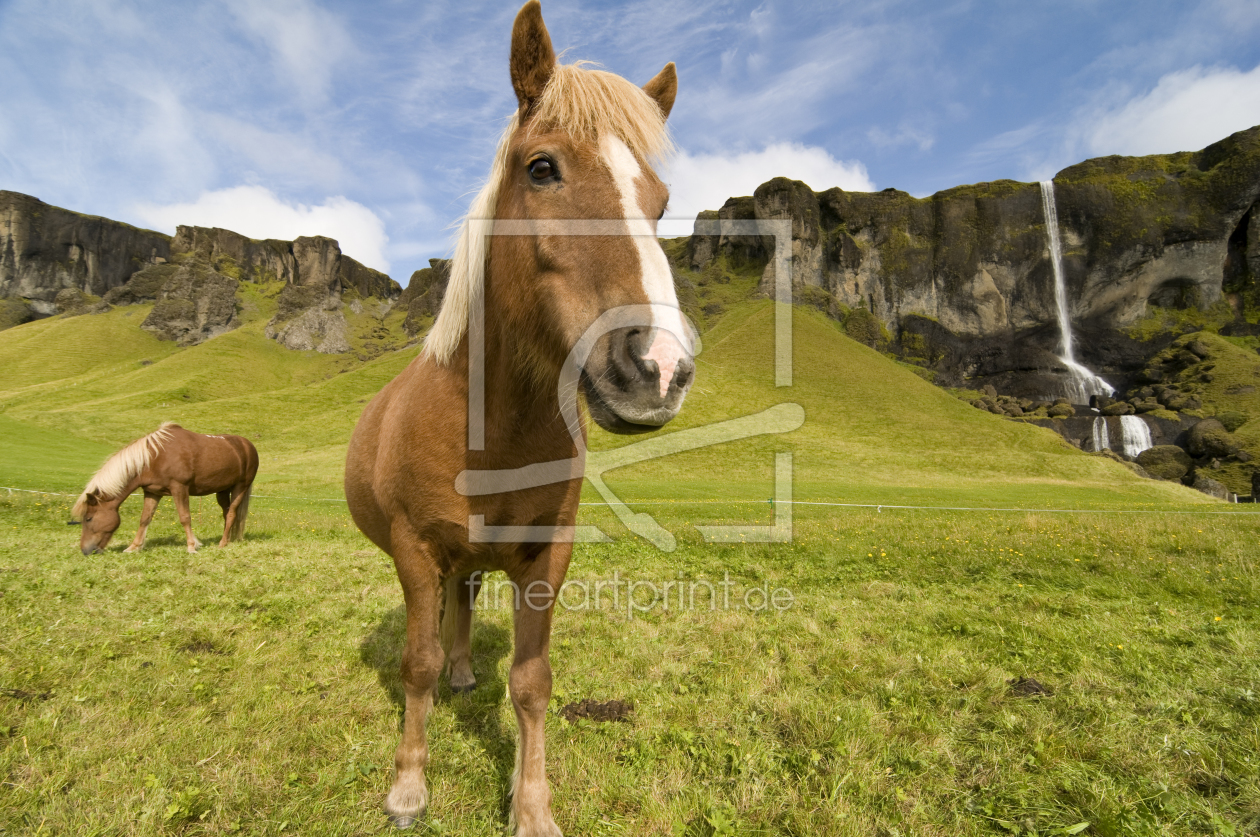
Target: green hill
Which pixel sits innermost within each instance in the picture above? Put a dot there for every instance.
(874, 431)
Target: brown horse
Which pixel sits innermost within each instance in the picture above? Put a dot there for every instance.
(566, 289)
(169, 461)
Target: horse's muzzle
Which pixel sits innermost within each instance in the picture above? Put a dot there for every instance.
(639, 381)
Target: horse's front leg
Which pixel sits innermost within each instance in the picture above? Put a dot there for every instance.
(530, 685)
(179, 493)
(461, 594)
(421, 668)
(150, 506)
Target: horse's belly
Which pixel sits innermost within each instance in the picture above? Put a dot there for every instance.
(213, 481)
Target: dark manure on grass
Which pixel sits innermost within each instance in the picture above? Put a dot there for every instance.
(593, 710)
(1028, 687)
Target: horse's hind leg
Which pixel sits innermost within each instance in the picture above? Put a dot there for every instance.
(461, 593)
(228, 504)
(421, 667)
(150, 506)
(179, 493)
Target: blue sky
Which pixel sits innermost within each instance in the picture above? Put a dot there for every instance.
(374, 121)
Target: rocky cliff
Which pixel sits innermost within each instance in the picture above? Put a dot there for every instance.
(963, 281)
(54, 261)
(45, 250)
(315, 274)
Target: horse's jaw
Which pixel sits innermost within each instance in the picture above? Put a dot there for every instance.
(621, 413)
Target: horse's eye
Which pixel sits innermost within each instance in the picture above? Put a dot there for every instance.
(542, 169)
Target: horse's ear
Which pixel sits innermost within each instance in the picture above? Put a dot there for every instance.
(91, 499)
(663, 88)
(533, 59)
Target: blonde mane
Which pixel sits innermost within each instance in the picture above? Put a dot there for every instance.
(585, 103)
(122, 467)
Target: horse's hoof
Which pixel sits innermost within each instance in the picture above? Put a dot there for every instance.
(192, 550)
(401, 821)
(132, 549)
(463, 688)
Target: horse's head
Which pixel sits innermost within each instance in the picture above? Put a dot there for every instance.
(99, 519)
(575, 270)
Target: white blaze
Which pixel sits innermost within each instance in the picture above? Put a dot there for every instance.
(670, 335)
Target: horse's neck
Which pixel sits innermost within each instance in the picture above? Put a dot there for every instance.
(144, 477)
(522, 402)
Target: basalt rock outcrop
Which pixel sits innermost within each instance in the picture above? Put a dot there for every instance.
(55, 261)
(316, 277)
(194, 304)
(307, 261)
(45, 250)
(424, 293)
(963, 279)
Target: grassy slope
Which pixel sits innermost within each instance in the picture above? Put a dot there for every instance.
(296, 406)
(1235, 387)
(874, 431)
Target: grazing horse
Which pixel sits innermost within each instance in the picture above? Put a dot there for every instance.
(566, 288)
(169, 461)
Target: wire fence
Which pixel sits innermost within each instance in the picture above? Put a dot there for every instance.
(879, 507)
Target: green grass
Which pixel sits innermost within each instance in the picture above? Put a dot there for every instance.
(254, 690)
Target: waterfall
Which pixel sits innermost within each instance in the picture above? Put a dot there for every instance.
(1081, 383)
(1135, 435)
(1101, 442)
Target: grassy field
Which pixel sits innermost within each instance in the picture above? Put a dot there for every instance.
(1013, 668)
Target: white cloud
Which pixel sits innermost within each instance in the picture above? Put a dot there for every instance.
(1186, 111)
(705, 181)
(256, 212)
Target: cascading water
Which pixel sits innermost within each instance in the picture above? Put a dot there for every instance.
(1081, 382)
(1135, 435)
(1101, 442)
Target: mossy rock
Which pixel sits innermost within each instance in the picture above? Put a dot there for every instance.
(14, 312)
(1209, 438)
(1210, 487)
(865, 327)
(1061, 411)
(1199, 349)
(296, 299)
(143, 286)
(1165, 462)
(71, 301)
(822, 300)
(1232, 419)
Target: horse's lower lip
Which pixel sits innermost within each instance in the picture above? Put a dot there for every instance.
(607, 417)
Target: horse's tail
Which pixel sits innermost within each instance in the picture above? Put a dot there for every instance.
(242, 511)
